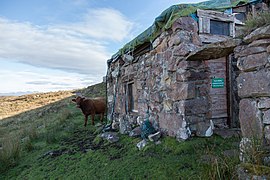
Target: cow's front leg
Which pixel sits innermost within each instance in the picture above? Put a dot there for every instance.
(85, 120)
(93, 119)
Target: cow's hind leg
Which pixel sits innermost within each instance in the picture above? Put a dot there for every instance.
(85, 120)
(101, 117)
(93, 119)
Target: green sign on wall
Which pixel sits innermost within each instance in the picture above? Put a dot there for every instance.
(218, 83)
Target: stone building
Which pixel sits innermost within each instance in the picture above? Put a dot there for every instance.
(181, 72)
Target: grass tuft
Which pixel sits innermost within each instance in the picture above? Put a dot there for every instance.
(10, 152)
(260, 20)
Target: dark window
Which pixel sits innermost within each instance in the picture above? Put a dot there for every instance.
(219, 27)
(142, 49)
(130, 94)
(241, 16)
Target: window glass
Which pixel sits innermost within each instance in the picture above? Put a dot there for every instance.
(219, 27)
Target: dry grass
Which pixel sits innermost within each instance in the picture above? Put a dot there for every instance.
(10, 152)
(252, 23)
(13, 105)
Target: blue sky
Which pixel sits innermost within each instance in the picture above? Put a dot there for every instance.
(50, 45)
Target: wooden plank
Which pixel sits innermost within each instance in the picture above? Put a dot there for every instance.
(215, 15)
(201, 25)
(205, 25)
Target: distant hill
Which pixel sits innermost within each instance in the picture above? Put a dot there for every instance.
(13, 105)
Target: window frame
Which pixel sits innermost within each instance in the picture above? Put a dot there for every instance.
(205, 17)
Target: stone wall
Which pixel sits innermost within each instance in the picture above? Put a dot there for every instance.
(253, 59)
(173, 92)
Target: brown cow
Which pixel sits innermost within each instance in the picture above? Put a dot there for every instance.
(91, 107)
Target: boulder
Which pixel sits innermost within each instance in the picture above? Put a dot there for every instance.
(185, 23)
(264, 103)
(214, 50)
(266, 117)
(252, 62)
(260, 33)
(249, 51)
(136, 132)
(254, 84)
(112, 137)
(141, 144)
(250, 119)
(261, 42)
(204, 129)
(184, 49)
(124, 126)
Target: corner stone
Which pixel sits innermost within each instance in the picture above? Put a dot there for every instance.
(250, 121)
(254, 84)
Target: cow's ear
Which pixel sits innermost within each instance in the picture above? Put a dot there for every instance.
(74, 100)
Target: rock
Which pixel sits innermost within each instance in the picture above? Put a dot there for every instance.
(183, 133)
(210, 38)
(115, 125)
(158, 142)
(268, 49)
(184, 49)
(169, 123)
(181, 91)
(112, 137)
(154, 137)
(264, 103)
(249, 116)
(196, 106)
(254, 84)
(266, 161)
(136, 132)
(249, 51)
(227, 133)
(261, 42)
(124, 126)
(266, 117)
(163, 46)
(231, 153)
(252, 62)
(180, 37)
(185, 23)
(260, 33)
(142, 144)
(213, 51)
(156, 42)
(267, 134)
(204, 129)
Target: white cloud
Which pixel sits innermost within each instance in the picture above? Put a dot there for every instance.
(40, 80)
(77, 47)
(104, 23)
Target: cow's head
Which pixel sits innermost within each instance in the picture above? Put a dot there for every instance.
(78, 101)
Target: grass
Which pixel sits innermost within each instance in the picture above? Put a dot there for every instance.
(57, 146)
(261, 19)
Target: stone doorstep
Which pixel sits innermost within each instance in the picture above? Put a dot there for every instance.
(228, 133)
